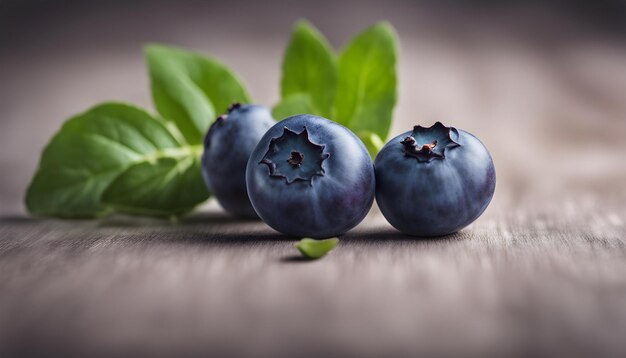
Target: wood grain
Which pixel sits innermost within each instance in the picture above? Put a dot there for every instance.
(541, 273)
(522, 283)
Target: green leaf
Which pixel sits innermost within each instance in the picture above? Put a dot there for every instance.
(190, 89)
(90, 151)
(310, 68)
(299, 103)
(372, 142)
(180, 101)
(314, 249)
(366, 92)
(164, 187)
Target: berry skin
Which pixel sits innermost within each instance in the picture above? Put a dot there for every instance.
(433, 181)
(310, 177)
(227, 147)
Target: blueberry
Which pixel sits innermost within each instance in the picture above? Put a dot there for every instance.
(433, 181)
(310, 176)
(227, 147)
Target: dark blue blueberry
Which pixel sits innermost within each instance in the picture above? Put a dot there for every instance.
(433, 181)
(310, 177)
(227, 147)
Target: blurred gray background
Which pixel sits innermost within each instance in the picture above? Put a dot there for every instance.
(543, 84)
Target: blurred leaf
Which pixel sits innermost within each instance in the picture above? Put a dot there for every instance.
(366, 92)
(314, 249)
(190, 89)
(310, 68)
(90, 151)
(372, 142)
(299, 103)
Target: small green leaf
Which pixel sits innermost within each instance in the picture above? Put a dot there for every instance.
(372, 142)
(366, 92)
(164, 187)
(299, 103)
(310, 68)
(314, 249)
(90, 151)
(190, 89)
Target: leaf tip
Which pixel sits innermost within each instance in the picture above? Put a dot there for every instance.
(302, 23)
(152, 47)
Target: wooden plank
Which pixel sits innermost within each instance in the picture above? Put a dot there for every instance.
(523, 283)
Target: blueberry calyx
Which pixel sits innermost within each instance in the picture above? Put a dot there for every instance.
(220, 120)
(436, 139)
(286, 155)
(295, 158)
(428, 148)
(234, 106)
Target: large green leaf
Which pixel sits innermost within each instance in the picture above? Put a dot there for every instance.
(91, 150)
(366, 92)
(190, 89)
(164, 187)
(310, 68)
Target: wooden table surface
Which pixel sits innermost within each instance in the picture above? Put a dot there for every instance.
(541, 273)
